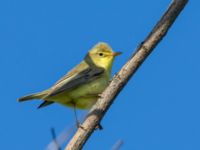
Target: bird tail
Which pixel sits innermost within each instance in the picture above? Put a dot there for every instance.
(38, 95)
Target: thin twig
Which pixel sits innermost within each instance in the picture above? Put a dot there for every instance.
(57, 146)
(122, 77)
(65, 135)
(61, 138)
(117, 145)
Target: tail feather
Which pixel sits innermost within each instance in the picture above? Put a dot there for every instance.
(39, 95)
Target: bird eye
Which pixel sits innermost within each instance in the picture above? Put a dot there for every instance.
(100, 54)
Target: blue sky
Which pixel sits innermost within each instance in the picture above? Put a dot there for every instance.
(41, 40)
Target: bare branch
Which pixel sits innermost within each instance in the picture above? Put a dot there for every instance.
(121, 78)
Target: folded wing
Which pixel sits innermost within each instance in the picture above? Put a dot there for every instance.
(75, 78)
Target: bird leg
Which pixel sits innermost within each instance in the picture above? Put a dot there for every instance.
(78, 124)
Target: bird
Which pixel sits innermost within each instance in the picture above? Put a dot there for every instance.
(80, 87)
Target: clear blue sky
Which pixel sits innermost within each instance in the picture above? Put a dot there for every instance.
(40, 41)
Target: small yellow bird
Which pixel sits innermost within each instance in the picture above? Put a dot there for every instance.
(80, 87)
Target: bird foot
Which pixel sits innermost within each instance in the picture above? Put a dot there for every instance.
(79, 125)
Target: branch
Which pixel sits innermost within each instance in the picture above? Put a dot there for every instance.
(121, 78)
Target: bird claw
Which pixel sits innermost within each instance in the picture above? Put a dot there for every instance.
(98, 127)
(79, 125)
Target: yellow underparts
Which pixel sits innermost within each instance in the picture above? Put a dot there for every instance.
(84, 96)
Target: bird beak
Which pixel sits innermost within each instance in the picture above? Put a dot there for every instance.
(116, 53)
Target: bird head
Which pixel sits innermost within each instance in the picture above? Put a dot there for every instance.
(102, 55)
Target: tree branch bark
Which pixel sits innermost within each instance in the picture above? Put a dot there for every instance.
(122, 77)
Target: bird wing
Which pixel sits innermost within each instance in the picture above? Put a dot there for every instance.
(44, 104)
(76, 78)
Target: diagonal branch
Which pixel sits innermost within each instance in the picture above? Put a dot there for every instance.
(121, 78)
